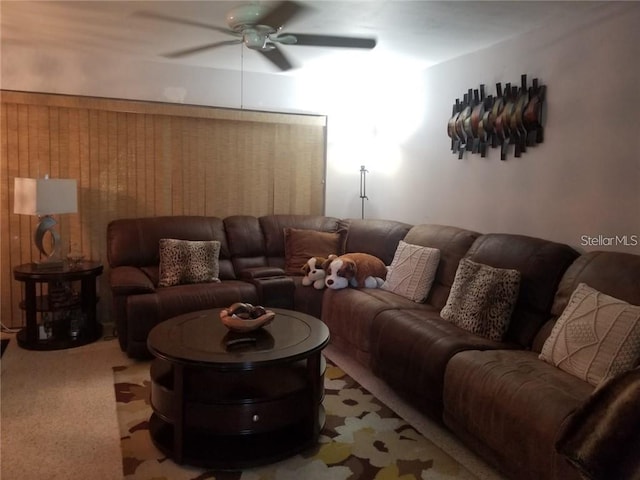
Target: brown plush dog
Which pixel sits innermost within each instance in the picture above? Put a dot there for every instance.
(356, 270)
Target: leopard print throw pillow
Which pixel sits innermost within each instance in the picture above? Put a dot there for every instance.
(482, 299)
(188, 261)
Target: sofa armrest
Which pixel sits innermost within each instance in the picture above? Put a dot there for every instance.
(127, 280)
(274, 287)
(253, 273)
(601, 438)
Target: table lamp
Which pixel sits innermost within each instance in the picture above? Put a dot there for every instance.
(44, 197)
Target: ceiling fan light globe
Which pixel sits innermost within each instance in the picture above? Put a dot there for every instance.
(254, 39)
(243, 15)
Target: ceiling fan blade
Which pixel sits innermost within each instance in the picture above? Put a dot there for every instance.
(281, 14)
(183, 21)
(278, 58)
(332, 41)
(189, 51)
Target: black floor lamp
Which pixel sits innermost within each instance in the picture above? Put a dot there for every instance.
(363, 186)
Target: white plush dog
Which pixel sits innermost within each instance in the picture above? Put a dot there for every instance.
(314, 274)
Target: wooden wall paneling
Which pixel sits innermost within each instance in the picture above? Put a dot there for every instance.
(28, 159)
(192, 180)
(79, 131)
(109, 167)
(130, 166)
(143, 159)
(217, 142)
(137, 182)
(187, 161)
(145, 174)
(225, 183)
(200, 140)
(209, 138)
(175, 160)
(162, 178)
(91, 195)
(300, 183)
(131, 162)
(257, 169)
(9, 247)
(68, 169)
(119, 162)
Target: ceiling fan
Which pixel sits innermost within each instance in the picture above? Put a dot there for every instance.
(259, 27)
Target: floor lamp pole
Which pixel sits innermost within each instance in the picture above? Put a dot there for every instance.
(363, 186)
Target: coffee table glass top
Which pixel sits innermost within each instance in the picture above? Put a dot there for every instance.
(201, 337)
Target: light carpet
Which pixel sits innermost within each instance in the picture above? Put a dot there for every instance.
(361, 439)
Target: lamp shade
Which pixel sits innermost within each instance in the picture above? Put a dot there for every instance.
(45, 196)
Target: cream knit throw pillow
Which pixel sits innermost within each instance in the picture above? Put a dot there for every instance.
(412, 271)
(596, 337)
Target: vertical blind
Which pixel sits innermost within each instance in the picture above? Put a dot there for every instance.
(139, 159)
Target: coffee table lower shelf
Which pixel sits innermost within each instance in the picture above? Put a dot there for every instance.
(232, 420)
(233, 452)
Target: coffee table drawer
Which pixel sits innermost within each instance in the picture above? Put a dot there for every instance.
(277, 402)
(239, 419)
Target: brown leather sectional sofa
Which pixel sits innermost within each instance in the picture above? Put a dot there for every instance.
(498, 397)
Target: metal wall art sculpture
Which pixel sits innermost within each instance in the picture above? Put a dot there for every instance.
(513, 116)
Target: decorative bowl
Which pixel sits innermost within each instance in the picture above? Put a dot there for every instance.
(244, 317)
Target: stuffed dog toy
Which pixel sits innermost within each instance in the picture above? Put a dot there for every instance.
(314, 274)
(355, 270)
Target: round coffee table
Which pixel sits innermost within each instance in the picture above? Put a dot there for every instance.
(231, 401)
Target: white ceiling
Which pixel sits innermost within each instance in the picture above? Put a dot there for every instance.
(419, 33)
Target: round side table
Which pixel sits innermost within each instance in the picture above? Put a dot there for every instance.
(67, 318)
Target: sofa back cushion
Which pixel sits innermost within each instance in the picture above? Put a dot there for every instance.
(136, 241)
(541, 264)
(273, 231)
(453, 243)
(379, 238)
(246, 242)
(613, 273)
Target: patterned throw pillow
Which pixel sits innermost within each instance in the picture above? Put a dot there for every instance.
(188, 261)
(482, 299)
(596, 336)
(412, 271)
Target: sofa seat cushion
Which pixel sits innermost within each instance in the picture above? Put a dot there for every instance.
(307, 299)
(410, 350)
(350, 312)
(512, 405)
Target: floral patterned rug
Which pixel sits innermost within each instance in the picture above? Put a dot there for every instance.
(361, 439)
